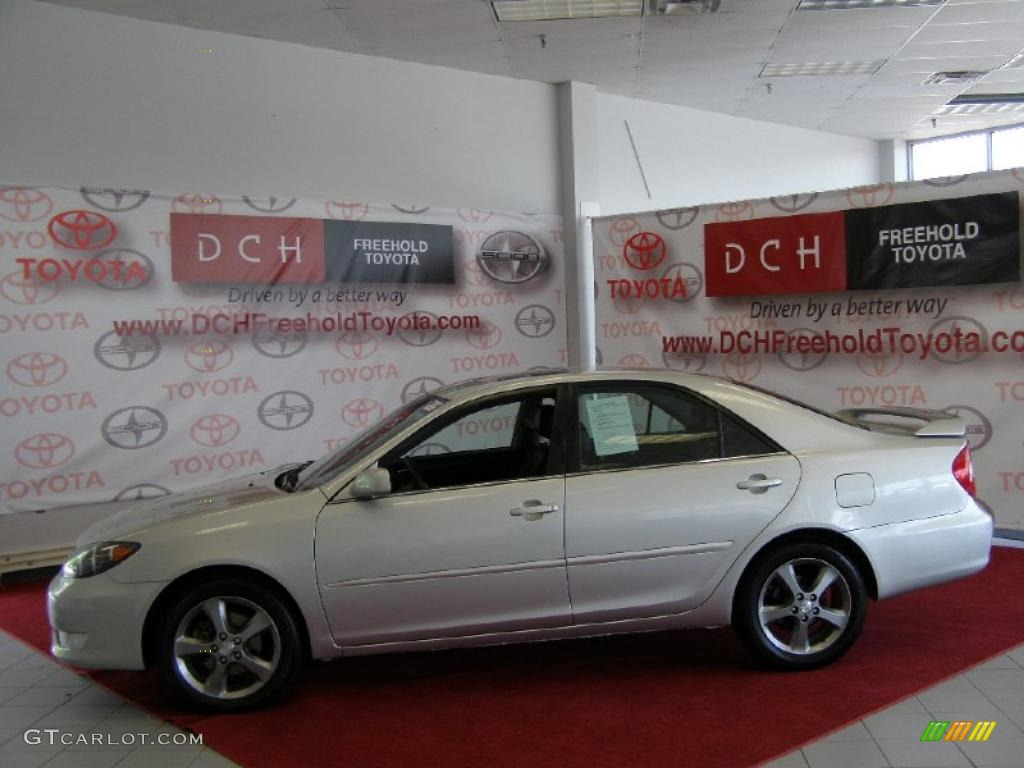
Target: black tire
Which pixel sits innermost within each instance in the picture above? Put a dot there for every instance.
(255, 670)
(779, 640)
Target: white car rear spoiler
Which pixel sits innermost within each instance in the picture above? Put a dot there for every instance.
(894, 420)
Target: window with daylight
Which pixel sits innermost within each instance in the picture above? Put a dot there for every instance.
(991, 150)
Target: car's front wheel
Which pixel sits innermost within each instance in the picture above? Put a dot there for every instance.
(801, 606)
(229, 645)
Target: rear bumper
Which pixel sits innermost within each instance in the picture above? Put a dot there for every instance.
(920, 553)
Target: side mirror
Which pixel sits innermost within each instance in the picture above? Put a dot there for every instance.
(371, 483)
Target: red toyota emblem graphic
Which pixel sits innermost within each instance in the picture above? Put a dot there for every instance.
(356, 345)
(487, 336)
(196, 202)
(879, 366)
(21, 290)
(735, 212)
(215, 430)
(644, 250)
(620, 230)
(741, 366)
(474, 215)
(208, 356)
(633, 360)
(869, 196)
(37, 369)
(82, 230)
(24, 204)
(44, 451)
(349, 211)
(362, 412)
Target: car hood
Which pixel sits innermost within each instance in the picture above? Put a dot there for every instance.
(235, 492)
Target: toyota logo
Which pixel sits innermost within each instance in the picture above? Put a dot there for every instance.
(691, 362)
(633, 360)
(413, 210)
(362, 412)
(629, 305)
(342, 209)
(965, 325)
(693, 280)
(487, 336)
(535, 321)
(269, 204)
(140, 492)
(44, 451)
(420, 337)
(793, 203)
(735, 212)
(37, 369)
(879, 365)
(870, 195)
(802, 361)
(474, 215)
(620, 230)
(24, 204)
(114, 200)
(197, 202)
(215, 430)
(978, 429)
(644, 250)
(512, 257)
(678, 218)
(22, 290)
(209, 356)
(474, 275)
(82, 230)
(740, 366)
(419, 387)
(279, 344)
(126, 353)
(137, 426)
(356, 345)
(136, 270)
(285, 410)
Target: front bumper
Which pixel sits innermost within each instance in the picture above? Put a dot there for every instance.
(97, 622)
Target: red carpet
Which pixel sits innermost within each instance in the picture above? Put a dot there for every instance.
(666, 699)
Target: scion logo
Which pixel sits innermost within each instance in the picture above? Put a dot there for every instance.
(512, 257)
(741, 366)
(285, 410)
(140, 492)
(126, 353)
(420, 337)
(419, 387)
(208, 356)
(978, 427)
(362, 412)
(678, 218)
(356, 345)
(269, 204)
(644, 250)
(802, 361)
(963, 325)
(24, 290)
(735, 212)
(414, 210)
(474, 275)
(44, 451)
(793, 203)
(945, 181)
(879, 365)
(869, 196)
(693, 280)
(487, 336)
(474, 215)
(135, 269)
(37, 369)
(535, 321)
(633, 360)
(279, 344)
(691, 362)
(114, 200)
(620, 230)
(24, 204)
(215, 430)
(197, 202)
(82, 230)
(137, 426)
(349, 211)
(430, 449)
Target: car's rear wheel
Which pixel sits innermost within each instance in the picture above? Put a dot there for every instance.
(228, 645)
(801, 606)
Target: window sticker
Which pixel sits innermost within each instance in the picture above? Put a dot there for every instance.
(611, 425)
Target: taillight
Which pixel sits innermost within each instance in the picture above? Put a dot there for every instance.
(963, 470)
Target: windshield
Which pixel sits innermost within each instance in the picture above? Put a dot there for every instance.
(342, 457)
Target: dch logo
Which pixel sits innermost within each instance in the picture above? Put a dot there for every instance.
(691, 362)
(44, 451)
(356, 345)
(487, 336)
(741, 366)
(346, 210)
(215, 430)
(420, 337)
(126, 353)
(208, 356)
(269, 204)
(24, 290)
(644, 250)
(114, 200)
(24, 204)
(285, 410)
(879, 365)
(691, 277)
(512, 257)
(869, 196)
(413, 210)
(535, 321)
(279, 344)
(82, 230)
(362, 412)
(802, 361)
(955, 326)
(141, 492)
(132, 269)
(735, 212)
(978, 428)
(793, 203)
(137, 426)
(633, 360)
(620, 230)
(678, 218)
(474, 215)
(420, 386)
(197, 202)
(37, 369)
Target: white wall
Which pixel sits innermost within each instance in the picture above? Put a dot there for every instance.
(89, 98)
(692, 157)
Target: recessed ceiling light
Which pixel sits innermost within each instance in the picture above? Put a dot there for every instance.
(846, 5)
(953, 78)
(988, 98)
(978, 109)
(544, 10)
(676, 7)
(821, 68)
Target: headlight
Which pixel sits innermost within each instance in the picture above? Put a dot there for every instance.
(98, 558)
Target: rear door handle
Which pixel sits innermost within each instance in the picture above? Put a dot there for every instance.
(533, 510)
(758, 483)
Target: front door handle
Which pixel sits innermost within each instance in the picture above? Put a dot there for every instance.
(758, 483)
(533, 510)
